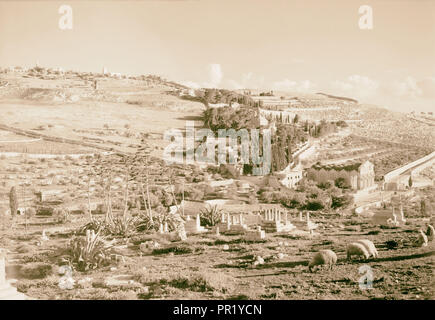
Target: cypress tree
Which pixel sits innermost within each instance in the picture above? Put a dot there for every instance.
(13, 201)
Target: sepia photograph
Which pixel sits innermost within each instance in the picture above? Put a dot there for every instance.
(230, 152)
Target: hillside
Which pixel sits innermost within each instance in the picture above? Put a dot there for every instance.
(111, 112)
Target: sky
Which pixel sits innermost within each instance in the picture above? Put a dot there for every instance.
(288, 45)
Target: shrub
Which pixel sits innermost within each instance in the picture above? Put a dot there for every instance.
(117, 226)
(211, 216)
(88, 252)
(121, 225)
(160, 216)
(341, 183)
(314, 205)
(194, 284)
(94, 224)
(341, 201)
(373, 232)
(325, 185)
(175, 250)
(145, 223)
(293, 200)
(36, 270)
(228, 171)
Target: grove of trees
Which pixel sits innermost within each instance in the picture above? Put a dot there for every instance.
(308, 196)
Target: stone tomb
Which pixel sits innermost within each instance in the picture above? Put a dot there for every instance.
(232, 224)
(387, 218)
(193, 226)
(269, 220)
(7, 292)
(255, 235)
(305, 224)
(274, 220)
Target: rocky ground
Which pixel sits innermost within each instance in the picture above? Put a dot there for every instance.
(209, 266)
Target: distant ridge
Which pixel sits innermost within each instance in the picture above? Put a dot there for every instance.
(337, 97)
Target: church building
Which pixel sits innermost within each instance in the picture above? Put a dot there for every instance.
(359, 176)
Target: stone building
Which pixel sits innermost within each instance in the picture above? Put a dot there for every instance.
(359, 176)
(292, 176)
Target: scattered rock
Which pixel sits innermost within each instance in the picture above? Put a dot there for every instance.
(145, 290)
(44, 237)
(66, 283)
(85, 282)
(258, 261)
(120, 281)
(64, 269)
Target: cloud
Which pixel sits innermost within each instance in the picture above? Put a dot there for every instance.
(290, 85)
(246, 77)
(410, 88)
(248, 80)
(233, 84)
(215, 74)
(399, 94)
(214, 80)
(406, 88)
(427, 85)
(356, 85)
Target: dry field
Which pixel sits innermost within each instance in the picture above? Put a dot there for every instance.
(67, 120)
(113, 116)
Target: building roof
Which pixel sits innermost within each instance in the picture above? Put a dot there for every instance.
(353, 166)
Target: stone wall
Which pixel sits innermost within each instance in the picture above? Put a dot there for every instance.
(393, 174)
